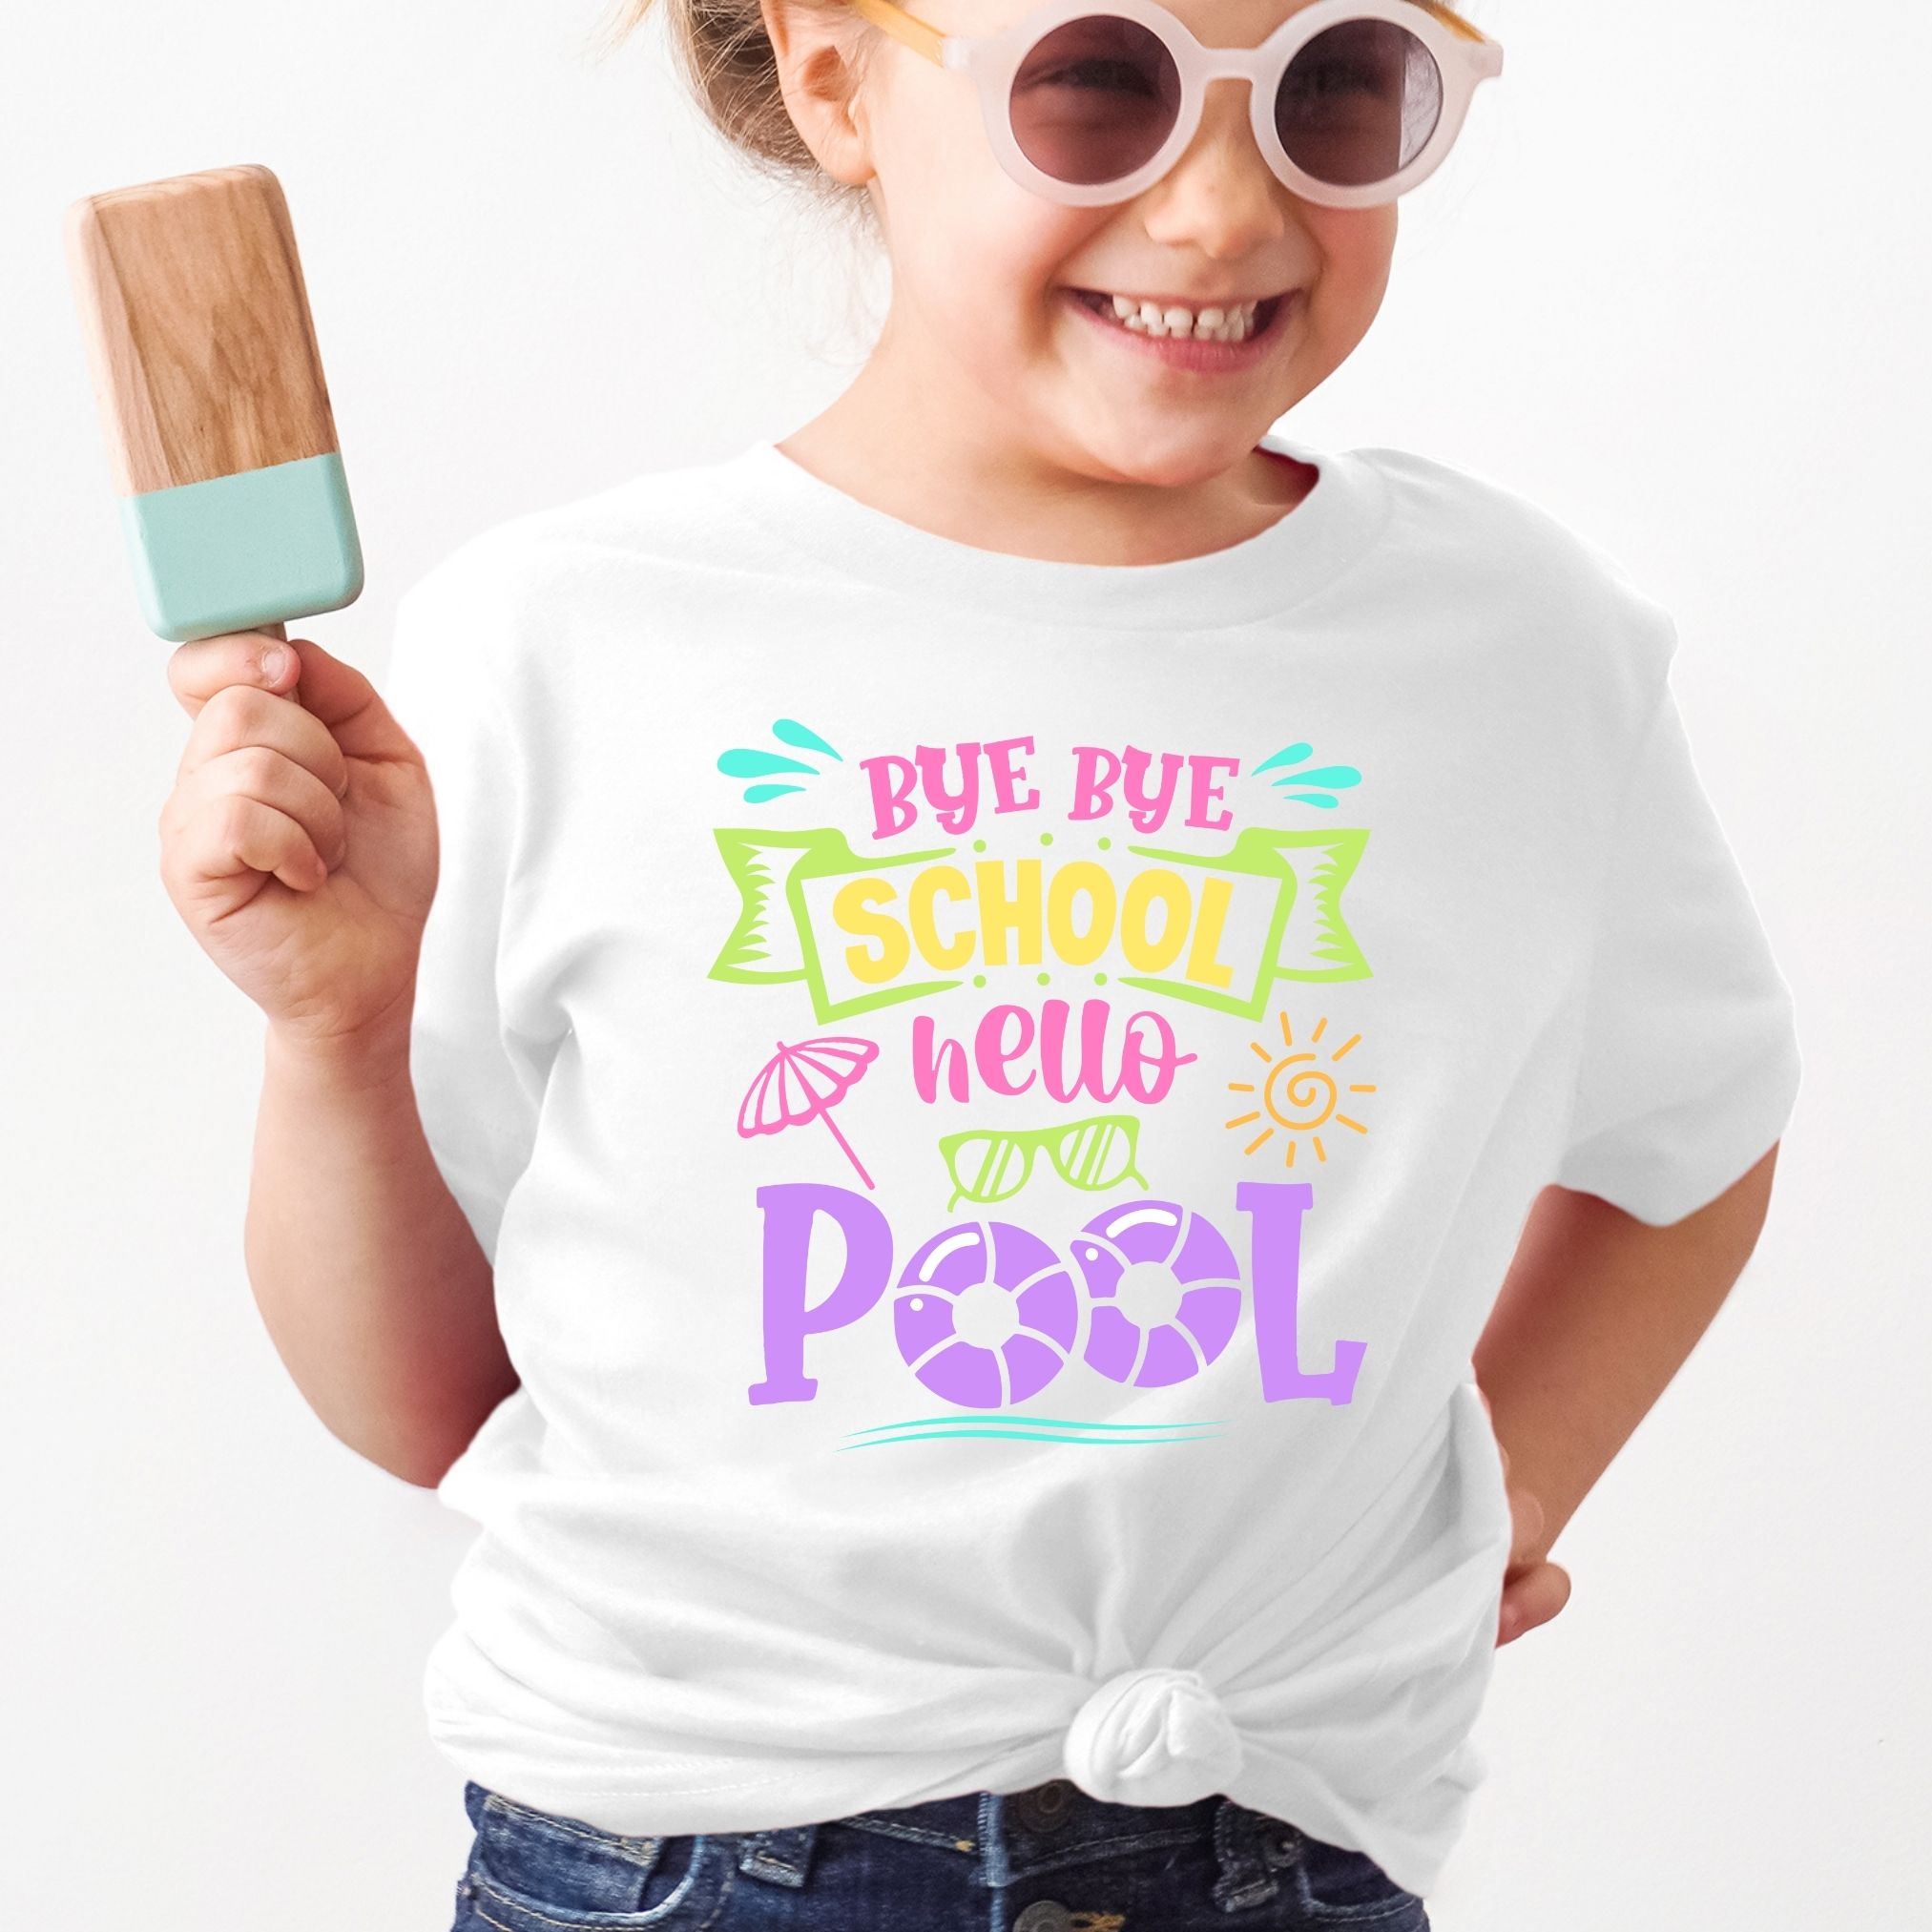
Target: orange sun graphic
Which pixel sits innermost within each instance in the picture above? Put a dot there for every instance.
(1297, 1097)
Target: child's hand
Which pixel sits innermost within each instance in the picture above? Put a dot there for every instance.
(1534, 1588)
(300, 841)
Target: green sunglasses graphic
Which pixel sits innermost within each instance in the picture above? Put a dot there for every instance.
(1093, 1156)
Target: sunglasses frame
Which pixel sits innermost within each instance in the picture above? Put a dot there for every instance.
(1034, 1140)
(1464, 55)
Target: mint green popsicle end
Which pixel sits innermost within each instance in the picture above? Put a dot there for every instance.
(237, 553)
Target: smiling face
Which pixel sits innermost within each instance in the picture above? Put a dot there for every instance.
(1005, 330)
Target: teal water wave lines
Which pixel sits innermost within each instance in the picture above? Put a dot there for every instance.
(1031, 1429)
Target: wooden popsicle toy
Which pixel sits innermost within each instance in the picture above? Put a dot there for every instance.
(218, 426)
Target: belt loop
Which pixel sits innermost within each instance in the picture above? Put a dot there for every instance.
(779, 1857)
(1245, 1877)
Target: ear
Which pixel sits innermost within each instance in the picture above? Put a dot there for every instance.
(819, 66)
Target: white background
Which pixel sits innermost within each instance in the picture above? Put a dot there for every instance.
(1673, 287)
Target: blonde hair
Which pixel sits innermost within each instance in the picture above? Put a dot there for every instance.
(722, 50)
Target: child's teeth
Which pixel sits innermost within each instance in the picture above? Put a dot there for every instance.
(1210, 325)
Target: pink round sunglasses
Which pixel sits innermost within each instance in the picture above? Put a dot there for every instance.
(1352, 102)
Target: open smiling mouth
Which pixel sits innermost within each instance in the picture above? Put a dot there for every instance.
(1234, 322)
(1228, 336)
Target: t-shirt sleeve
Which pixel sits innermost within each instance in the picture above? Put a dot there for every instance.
(1689, 1065)
(477, 1099)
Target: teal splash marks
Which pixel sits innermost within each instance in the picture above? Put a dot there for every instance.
(1324, 775)
(1289, 754)
(746, 762)
(788, 731)
(760, 765)
(1306, 786)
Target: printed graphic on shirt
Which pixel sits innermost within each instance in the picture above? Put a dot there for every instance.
(1294, 1096)
(990, 1164)
(1063, 891)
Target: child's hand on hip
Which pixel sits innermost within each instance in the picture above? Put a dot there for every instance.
(1534, 1588)
(300, 841)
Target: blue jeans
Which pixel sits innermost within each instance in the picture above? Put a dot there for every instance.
(1047, 1860)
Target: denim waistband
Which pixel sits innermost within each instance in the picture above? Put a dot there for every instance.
(1014, 1835)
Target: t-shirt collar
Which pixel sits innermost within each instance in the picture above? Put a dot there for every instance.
(1255, 578)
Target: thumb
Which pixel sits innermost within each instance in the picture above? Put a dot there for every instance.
(1530, 1598)
(346, 701)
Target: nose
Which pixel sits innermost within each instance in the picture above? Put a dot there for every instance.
(1152, 1736)
(1222, 195)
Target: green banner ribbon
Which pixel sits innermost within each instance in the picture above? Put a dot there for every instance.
(866, 932)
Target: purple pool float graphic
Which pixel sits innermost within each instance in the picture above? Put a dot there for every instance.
(1168, 1244)
(986, 1315)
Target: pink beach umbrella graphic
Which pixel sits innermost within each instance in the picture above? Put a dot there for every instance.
(805, 1081)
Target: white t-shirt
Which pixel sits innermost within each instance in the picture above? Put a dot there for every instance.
(1001, 1094)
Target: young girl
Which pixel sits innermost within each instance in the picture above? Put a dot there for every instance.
(1040, 1002)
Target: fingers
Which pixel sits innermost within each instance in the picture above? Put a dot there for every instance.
(1526, 1511)
(1534, 1589)
(239, 832)
(260, 781)
(325, 686)
(237, 716)
(1532, 1598)
(252, 808)
(255, 659)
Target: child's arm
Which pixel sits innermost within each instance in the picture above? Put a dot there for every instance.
(300, 845)
(368, 1274)
(1598, 1312)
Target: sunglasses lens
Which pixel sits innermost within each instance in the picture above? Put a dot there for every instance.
(1094, 99)
(1359, 103)
(989, 1167)
(1095, 1154)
